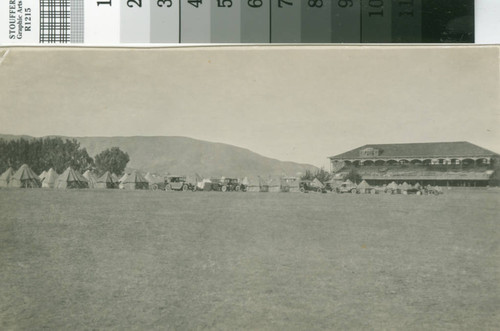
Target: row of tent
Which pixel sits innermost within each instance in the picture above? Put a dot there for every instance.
(392, 187)
(24, 177)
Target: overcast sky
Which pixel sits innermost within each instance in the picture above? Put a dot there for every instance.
(290, 103)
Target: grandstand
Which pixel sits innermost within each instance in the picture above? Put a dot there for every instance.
(443, 164)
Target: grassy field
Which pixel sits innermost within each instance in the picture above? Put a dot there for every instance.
(154, 260)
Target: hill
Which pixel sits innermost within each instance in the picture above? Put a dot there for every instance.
(182, 155)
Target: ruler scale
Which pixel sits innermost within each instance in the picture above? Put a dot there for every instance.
(173, 22)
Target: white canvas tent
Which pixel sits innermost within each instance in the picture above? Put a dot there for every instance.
(317, 183)
(50, 179)
(405, 186)
(290, 184)
(71, 178)
(364, 187)
(42, 175)
(252, 184)
(348, 182)
(149, 178)
(91, 178)
(202, 183)
(106, 181)
(274, 184)
(263, 185)
(6, 177)
(121, 180)
(24, 178)
(392, 186)
(135, 181)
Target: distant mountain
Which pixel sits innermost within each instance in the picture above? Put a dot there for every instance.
(185, 156)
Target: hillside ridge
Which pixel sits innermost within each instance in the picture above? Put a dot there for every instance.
(185, 156)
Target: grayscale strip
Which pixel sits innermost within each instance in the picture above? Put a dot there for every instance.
(77, 22)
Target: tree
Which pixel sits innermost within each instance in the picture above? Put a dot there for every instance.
(61, 154)
(113, 160)
(353, 176)
(322, 175)
(42, 154)
(308, 175)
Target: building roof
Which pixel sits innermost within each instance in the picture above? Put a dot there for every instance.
(419, 150)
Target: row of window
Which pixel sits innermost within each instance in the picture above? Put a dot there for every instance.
(484, 161)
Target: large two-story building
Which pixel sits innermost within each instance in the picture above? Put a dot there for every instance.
(445, 164)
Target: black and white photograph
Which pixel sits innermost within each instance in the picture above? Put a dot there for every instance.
(250, 188)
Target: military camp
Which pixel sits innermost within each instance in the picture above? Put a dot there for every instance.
(230, 228)
(382, 203)
(163, 219)
(289, 165)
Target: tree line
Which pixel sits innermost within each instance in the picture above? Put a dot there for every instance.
(54, 152)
